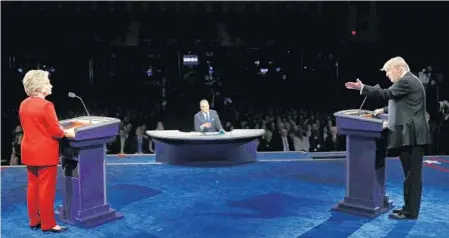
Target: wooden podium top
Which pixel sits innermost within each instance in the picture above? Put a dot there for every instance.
(90, 127)
(357, 112)
(76, 124)
(70, 129)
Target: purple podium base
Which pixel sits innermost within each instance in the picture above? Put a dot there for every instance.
(365, 170)
(351, 206)
(84, 202)
(100, 216)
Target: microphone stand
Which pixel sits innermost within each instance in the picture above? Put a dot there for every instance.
(360, 109)
(84, 105)
(72, 95)
(85, 108)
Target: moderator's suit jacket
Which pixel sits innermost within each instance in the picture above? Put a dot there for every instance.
(406, 110)
(200, 119)
(40, 130)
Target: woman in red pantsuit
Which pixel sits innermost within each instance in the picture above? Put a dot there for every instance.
(40, 150)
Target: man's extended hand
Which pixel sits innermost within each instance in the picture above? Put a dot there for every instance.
(378, 111)
(206, 125)
(354, 85)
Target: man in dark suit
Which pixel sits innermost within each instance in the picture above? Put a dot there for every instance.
(408, 130)
(207, 120)
(121, 144)
(139, 144)
(283, 142)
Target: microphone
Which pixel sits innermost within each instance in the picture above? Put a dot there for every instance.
(73, 95)
(363, 103)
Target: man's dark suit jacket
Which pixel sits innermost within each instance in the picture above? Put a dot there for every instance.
(134, 145)
(265, 145)
(407, 122)
(279, 146)
(116, 145)
(200, 119)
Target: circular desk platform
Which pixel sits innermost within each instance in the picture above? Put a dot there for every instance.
(176, 147)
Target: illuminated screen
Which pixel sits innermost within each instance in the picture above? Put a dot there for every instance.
(190, 59)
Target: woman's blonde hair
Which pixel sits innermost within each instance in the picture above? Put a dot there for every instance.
(35, 81)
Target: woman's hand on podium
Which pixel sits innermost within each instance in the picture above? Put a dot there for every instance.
(69, 134)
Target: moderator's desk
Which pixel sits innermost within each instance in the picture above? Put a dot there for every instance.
(176, 147)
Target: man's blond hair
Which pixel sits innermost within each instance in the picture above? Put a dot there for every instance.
(34, 81)
(396, 62)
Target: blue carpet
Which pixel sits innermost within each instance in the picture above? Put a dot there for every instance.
(261, 156)
(265, 199)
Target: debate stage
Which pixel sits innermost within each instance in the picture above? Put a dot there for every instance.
(285, 194)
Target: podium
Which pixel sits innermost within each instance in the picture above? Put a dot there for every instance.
(365, 163)
(84, 173)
